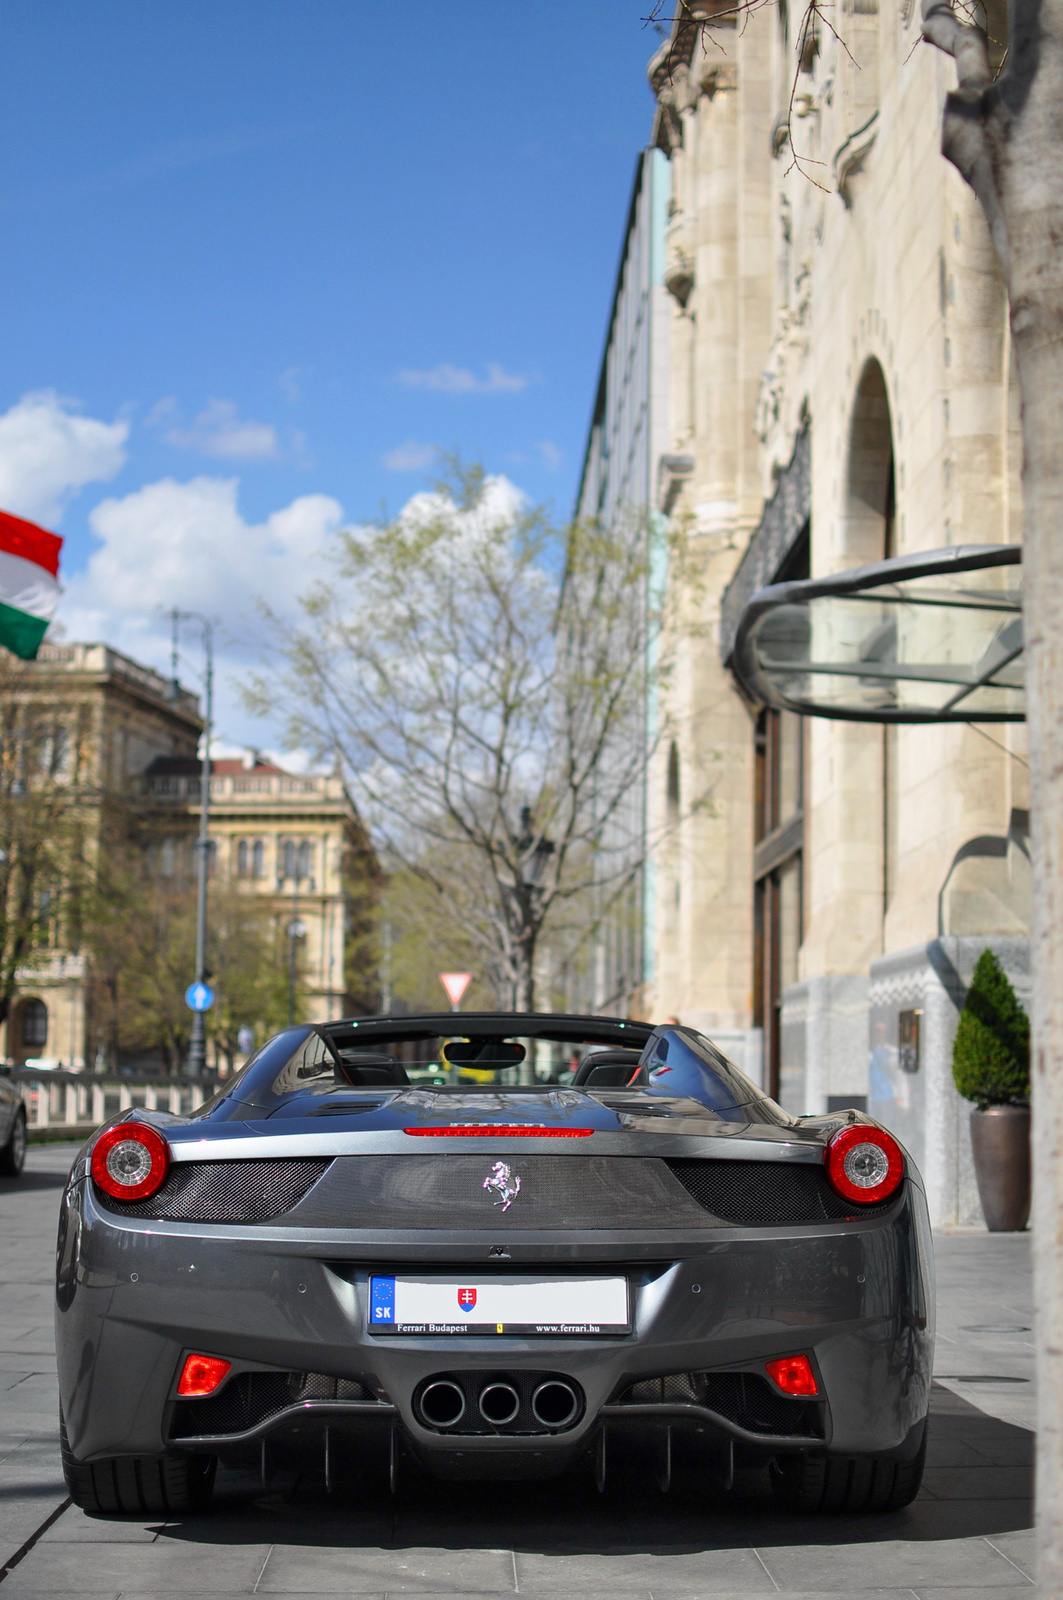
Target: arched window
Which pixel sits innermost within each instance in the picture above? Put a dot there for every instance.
(306, 857)
(33, 1019)
(258, 859)
(243, 858)
(288, 856)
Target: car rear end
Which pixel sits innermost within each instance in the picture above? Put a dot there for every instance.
(657, 1282)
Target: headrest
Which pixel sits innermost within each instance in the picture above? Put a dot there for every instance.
(364, 1069)
(606, 1069)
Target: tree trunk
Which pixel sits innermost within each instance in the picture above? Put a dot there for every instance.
(1007, 141)
(524, 999)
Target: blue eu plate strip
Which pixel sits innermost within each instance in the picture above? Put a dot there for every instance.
(382, 1301)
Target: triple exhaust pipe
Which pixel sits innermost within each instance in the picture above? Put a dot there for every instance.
(554, 1403)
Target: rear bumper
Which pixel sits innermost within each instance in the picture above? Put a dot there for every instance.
(134, 1297)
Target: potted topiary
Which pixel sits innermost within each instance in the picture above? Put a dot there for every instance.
(991, 1066)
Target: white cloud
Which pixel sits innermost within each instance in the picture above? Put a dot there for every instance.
(187, 545)
(48, 453)
(289, 383)
(410, 457)
(220, 431)
(551, 453)
(461, 380)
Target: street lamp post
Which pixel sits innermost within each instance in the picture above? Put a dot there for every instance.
(297, 928)
(296, 931)
(197, 1048)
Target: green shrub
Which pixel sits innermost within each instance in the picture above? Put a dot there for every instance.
(991, 1053)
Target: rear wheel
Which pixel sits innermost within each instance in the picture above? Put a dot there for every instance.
(138, 1485)
(13, 1153)
(847, 1483)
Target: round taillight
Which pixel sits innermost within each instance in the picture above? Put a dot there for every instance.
(130, 1161)
(864, 1163)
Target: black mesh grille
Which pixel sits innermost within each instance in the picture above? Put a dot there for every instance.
(226, 1191)
(767, 1192)
(448, 1191)
(744, 1398)
(254, 1397)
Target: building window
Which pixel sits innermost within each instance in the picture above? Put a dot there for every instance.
(778, 864)
(33, 1018)
(243, 858)
(298, 857)
(168, 858)
(212, 857)
(258, 859)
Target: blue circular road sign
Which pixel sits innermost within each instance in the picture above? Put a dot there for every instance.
(199, 997)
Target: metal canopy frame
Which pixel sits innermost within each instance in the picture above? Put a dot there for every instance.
(758, 672)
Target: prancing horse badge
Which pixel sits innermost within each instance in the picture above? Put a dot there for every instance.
(502, 1181)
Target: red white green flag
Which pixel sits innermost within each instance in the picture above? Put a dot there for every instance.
(29, 583)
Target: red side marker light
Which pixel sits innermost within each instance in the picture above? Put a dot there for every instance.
(498, 1130)
(202, 1375)
(130, 1161)
(864, 1163)
(793, 1374)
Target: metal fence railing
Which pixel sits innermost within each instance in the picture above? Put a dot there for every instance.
(80, 1101)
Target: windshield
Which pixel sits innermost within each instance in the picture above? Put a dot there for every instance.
(306, 1065)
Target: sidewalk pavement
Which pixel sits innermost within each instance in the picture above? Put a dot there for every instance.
(966, 1536)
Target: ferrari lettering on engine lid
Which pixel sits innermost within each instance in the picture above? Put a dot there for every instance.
(502, 1181)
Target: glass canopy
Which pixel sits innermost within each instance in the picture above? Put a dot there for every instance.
(930, 638)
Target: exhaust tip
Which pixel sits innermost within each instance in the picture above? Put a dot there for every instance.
(555, 1404)
(499, 1403)
(442, 1404)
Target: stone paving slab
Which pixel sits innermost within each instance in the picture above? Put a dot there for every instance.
(966, 1536)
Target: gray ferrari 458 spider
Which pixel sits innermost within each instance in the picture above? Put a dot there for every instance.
(377, 1241)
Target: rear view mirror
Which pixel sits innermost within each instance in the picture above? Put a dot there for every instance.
(484, 1053)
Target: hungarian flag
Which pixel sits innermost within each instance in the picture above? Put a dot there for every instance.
(29, 584)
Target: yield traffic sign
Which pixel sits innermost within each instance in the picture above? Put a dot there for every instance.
(455, 983)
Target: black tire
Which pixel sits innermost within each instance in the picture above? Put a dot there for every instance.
(138, 1485)
(847, 1483)
(13, 1153)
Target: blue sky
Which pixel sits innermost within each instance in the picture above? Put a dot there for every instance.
(262, 255)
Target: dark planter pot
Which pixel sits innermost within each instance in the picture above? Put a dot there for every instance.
(1000, 1140)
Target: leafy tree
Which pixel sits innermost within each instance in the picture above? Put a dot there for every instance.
(139, 934)
(483, 678)
(991, 1051)
(247, 955)
(41, 861)
(139, 937)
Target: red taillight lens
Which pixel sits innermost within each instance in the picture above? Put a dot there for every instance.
(793, 1374)
(201, 1375)
(130, 1161)
(864, 1164)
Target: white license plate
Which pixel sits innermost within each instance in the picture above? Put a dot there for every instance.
(527, 1307)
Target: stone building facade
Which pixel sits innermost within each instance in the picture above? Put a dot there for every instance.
(841, 391)
(627, 439)
(294, 842)
(128, 739)
(112, 718)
